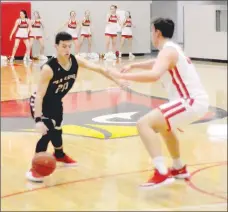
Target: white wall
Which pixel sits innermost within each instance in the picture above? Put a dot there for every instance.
(180, 14)
(55, 13)
(165, 9)
(200, 37)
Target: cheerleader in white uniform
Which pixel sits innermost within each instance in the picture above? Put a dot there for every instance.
(111, 29)
(37, 33)
(127, 34)
(23, 26)
(86, 31)
(72, 28)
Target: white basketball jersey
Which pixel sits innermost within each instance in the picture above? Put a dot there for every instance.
(182, 81)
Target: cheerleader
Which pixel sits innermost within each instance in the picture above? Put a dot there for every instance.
(22, 26)
(86, 31)
(72, 25)
(37, 33)
(111, 30)
(127, 34)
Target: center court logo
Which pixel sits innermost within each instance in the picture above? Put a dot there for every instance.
(104, 114)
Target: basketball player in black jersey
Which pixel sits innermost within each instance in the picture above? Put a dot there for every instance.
(58, 75)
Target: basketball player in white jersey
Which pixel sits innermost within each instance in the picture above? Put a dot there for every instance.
(86, 31)
(72, 28)
(111, 29)
(188, 101)
(37, 33)
(22, 26)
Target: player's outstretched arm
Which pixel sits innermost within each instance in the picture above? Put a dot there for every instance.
(45, 77)
(148, 65)
(97, 68)
(167, 59)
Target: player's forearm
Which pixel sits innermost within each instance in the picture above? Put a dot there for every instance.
(38, 106)
(102, 71)
(144, 65)
(139, 77)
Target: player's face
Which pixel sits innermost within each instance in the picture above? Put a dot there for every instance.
(22, 15)
(154, 36)
(87, 13)
(112, 10)
(64, 48)
(72, 14)
(36, 15)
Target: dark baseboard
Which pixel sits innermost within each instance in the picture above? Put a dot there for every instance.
(209, 60)
(154, 52)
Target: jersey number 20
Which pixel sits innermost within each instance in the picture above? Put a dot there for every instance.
(62, 87)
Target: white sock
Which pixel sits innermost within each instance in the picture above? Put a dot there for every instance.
(160, 165)
(177, 164)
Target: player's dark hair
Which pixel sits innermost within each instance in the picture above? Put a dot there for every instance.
(113, 6)
(62, 36)
(25, 13)
(72, 11)
(165, 26)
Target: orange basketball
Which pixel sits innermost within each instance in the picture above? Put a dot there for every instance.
(44, 163)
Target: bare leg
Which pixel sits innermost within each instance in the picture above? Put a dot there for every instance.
(114, 44)
(16, 44)
(122, 44)
(89, 44)
(27, 44)
(81, 41)
(77, 46)
(41, 41)
(107, 43)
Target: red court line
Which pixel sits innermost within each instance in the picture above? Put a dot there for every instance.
(193, 186)
(103, 177)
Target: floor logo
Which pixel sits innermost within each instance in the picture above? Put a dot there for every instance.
(104, 114)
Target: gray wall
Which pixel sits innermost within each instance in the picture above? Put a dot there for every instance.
(55, 13)
(174, 10)
(201, 40)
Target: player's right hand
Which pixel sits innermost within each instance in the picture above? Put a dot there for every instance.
(125, 69)
(41, 128)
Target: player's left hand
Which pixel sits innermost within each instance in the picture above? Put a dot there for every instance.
(123, 83)
(114, 73)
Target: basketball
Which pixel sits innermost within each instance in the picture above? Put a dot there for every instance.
(44, 163)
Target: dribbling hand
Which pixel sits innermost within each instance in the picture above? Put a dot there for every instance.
(41, 128)
(125, 69)
(123, 83)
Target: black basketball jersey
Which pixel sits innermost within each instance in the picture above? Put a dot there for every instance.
(61, 82)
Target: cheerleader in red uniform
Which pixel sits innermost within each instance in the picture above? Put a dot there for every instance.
(22, 27)
(37, 33)
(72, 28)
(86, 31)
(127, 34)
(111, 31)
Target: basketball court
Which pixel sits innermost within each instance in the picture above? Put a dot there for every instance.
(100, 132)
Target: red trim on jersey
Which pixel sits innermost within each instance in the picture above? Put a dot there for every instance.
(176, 84)
(75, 38)
(35, 37)
(110, 35)
(171, 107)
(171, 115)
(86, 35)
(126, 36)
(21, 38)
(182, 85)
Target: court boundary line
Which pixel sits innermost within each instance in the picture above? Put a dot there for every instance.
(126, 173)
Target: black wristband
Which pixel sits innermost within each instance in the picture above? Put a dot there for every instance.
(38, 119)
